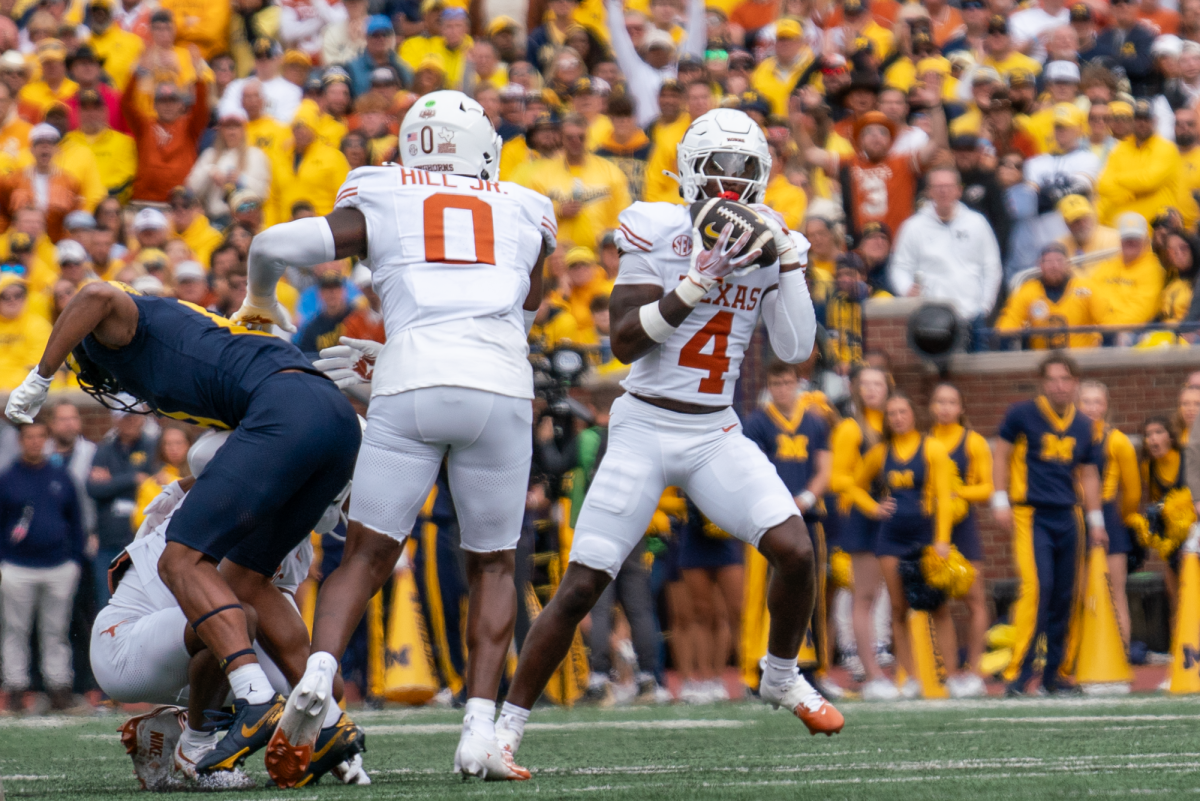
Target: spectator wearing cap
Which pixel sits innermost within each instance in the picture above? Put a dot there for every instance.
(262, 130)
(1069, 168)
(542, 139)
(858, 26)
(117, 49)
(247, 210)
(775, 78)
(1143, 173)
(115, 153)
(875, 250)
(948, 252)
(842, 313)
(191, 283)
(587, 99)
(166, 143)
(232, 163)
(503, 32)
(1055, 297)
(877, 186)
(280, 96)
(190, 224)
(627, 145)
(84, 68)
(585, 280)
(971, 39)
(644, 77)
(310, 170)
(452, 45)
(1062, 84)
(379, 52)
(323, 325)
(982, 85)
(23, 333)
(301, 24)
(781, 194)
(1001, 53)
(981, 190)
(335, 103)
(1129, 286)
(43, 184)
(54, 86)
(588, 192)
(1128, 44)
(665, 134)
(151, 230)
(1029, 26)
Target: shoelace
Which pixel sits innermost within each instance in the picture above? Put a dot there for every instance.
(221, 719)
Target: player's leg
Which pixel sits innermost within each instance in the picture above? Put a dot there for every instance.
(1065, 565)
(280, 631)
(394, 472)
(1024, 614)
(1042, 555)
(614, 517)
(737, 488)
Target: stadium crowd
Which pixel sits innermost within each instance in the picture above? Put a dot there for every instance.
(1034, 165)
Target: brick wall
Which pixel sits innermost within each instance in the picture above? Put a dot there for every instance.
(1141, 383)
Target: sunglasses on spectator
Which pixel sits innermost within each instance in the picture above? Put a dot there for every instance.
(155, 266)
(14, 267)
(70, 264)
(245, 207)
(12, 297)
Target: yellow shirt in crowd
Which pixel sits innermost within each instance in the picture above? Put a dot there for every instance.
(115, 154)
(1127, 295)
(597, 183)
(666, 138)
(1142, 178)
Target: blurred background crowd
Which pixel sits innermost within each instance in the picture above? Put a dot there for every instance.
(1034, 166)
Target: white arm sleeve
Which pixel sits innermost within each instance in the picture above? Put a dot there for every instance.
(791, 321)
(300, 243)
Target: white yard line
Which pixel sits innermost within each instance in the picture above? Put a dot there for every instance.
(454, 728)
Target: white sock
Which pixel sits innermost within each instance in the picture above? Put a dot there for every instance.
(481, 717)
(333, 715)
(779, 671)
(250, 684)
(192, 740)
(514, 718)
(324, 662)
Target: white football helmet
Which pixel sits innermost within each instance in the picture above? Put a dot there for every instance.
(728, 147)
(449, 132)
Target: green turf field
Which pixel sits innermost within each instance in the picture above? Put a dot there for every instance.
(983, 749)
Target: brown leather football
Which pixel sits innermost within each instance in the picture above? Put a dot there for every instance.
(711, 215)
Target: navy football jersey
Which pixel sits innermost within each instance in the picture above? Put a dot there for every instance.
(1046, 450)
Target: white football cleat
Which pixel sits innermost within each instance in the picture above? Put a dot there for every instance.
(799, 697)
(880, 690)
(150, 740)
(351, 771)
(291, 746)
(486, 759)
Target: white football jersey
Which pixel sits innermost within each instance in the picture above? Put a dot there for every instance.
(699, 363)
(450, 258)
(143, 591)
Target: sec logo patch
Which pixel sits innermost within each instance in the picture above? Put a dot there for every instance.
(682, 245)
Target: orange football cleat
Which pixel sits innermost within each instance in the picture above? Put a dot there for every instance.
(824, 720)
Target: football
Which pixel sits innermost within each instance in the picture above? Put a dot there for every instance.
(711, 215)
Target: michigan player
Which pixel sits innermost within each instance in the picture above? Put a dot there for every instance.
(142, 650)
(261, 494)
(795, 437)
(685, 338)
(456, 258)
(1045, 446)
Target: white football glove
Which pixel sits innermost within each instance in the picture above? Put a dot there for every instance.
(710, 266)
(158, 509)
(262, 313)
(26, 401)
(784, 246)
(350, 363)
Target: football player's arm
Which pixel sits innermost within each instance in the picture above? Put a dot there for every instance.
(819, 483)
(787, 308)
(978, 486)
(100, 309)
(533, 300)
(300, 243)
(1129, 475)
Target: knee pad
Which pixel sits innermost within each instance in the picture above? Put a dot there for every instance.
(597, 552)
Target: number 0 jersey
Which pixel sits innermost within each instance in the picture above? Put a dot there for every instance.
(450, 258)
(698, 363)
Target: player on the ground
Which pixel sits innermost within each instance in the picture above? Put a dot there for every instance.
(142, 650)
(456, 258)
(684, 319)
(261, 495)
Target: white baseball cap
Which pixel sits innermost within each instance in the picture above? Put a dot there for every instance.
(1063, 71)
(70, 250)
(150, 220)
(189, 271)
(1132, 225)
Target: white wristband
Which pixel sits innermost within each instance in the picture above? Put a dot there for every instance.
(654, 324)
(1000, 500)
(1095, 519)
(693, 288)
(808, 498)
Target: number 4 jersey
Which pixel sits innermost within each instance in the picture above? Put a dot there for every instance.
(450, 258)
(698, 363)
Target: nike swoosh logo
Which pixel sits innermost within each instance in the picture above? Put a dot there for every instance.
(729, 428)
(250, 731)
